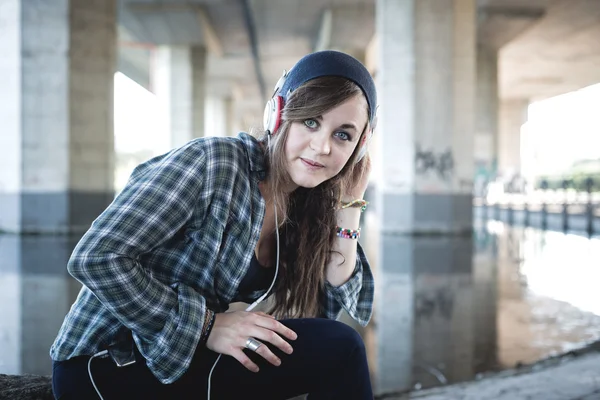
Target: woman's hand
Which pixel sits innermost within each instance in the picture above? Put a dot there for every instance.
(361, 179)
(231, 330)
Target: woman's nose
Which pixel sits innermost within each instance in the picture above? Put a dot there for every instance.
(320, 144)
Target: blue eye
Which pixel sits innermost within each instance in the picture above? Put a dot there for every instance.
(343, 135)
(311, 123)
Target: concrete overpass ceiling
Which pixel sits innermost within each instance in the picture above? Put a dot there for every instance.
(547, 47)
(144, 24)
(162, 22)
(557, 54)
(353, 27)
(228, 21)
(285, 31)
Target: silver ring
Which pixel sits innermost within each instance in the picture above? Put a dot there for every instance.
(252, 344)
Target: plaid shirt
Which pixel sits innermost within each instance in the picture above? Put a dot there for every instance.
(178, 240)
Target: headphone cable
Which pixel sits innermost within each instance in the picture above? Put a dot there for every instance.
(264, 296)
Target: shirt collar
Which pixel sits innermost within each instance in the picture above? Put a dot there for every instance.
(256, 155)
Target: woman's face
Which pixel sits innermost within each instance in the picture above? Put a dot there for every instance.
(318, 148)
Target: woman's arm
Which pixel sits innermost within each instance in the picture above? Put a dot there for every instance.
(343, 259)
(349, 282)
(158, 200)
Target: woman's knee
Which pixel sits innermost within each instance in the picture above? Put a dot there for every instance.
(330, 336)
(348, 337)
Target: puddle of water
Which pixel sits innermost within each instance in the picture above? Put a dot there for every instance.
(446, 308)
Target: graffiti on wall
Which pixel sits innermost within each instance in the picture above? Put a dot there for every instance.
(428, 162)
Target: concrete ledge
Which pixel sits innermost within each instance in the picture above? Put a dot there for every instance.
(26, 387)
(564, 378)
(34, 387)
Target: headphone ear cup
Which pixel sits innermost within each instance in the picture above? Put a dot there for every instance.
(272, 114)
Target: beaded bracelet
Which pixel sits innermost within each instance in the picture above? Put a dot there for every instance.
(207, 326)
(355, 204)
(347, 233)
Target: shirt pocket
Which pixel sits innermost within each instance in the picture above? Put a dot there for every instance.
(231, 253)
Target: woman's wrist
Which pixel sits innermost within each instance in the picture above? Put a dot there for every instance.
(209, 321)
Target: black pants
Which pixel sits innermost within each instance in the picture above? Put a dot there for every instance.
(329, 362)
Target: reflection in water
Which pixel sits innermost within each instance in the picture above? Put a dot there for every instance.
(446, 308)
(450, 308)
(35, 293)
(548, 303)
(428, 315)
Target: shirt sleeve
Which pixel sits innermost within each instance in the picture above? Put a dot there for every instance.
(355, 296)
(158, 200)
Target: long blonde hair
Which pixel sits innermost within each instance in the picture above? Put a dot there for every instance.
(308, 216)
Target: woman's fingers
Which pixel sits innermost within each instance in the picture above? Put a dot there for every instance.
(244, 360)
(265, 352)
(275, 326)
(264, 314)
(265, 335)
(231, 331)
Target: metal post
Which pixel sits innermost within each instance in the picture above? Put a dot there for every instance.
(565, 206)
(485, 200)
(526, 211)
(544, 209)
(589, 185)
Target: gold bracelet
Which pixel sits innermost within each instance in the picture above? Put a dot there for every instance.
(358, 203)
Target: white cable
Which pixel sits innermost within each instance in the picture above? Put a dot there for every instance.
(264, 296)
(100, 354)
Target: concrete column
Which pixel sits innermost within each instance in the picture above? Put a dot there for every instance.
(221, 119)
(486, 118)
(215, 120)
(513, 114)
(58, 63)
(426, 83)
(181, 85)
(231, 122)
(426, 71)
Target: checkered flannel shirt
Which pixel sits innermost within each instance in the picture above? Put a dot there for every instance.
(178, 240)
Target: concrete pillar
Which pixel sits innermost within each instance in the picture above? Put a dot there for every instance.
(221, 118)
(181, 87)
(426, 83)
(486, 118)
(56, 107)
(232, 127)
(512, 116)
(215, 120)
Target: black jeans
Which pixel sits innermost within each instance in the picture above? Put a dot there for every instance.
(328, 362)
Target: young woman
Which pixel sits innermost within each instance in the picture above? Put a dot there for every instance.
(220, 220)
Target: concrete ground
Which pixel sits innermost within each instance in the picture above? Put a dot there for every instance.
(564, 378)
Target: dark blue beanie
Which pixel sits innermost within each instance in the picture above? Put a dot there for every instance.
(331, 63)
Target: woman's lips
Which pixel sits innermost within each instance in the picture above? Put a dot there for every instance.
(311, 164)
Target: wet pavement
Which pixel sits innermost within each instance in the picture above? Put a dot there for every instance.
(447, 309)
